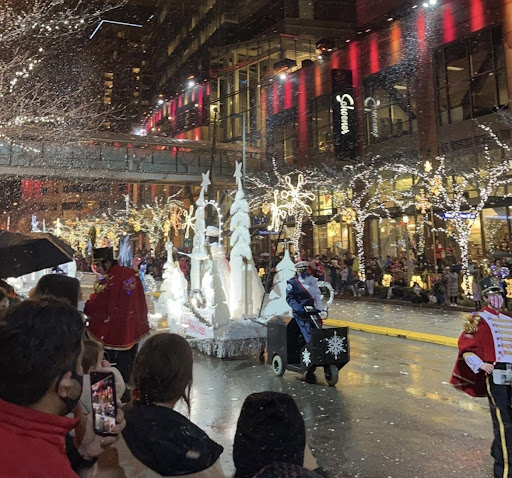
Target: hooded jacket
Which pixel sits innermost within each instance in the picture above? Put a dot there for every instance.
(158, 441)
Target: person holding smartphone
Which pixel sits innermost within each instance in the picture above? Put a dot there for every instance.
(40, 383)
(484, 368)
(157, 440)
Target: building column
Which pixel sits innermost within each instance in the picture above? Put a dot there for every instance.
(507, 45)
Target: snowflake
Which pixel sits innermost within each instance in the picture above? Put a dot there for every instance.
(336, 345)
(306, 357)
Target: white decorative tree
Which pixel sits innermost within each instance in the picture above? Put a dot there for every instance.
(245, 287)
(277, 304)
(125, 256)
(359, 192)
(173, 290)
(199, 250)
(448, 186)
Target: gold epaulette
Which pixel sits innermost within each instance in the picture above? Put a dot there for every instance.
(99, 287)
(471, 324)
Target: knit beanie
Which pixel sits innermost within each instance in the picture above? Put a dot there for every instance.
(270, 429)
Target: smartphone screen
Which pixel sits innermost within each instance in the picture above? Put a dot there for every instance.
(104, 409)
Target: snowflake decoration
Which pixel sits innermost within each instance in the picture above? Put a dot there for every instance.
(336, 345)
(188, 221)
(306, 358)
(295, 196)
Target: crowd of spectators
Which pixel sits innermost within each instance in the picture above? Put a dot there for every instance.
(389, 278)
(46, 359)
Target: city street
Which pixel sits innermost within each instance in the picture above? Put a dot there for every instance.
(392, 413)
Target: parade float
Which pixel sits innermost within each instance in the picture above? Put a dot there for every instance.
(224, 295)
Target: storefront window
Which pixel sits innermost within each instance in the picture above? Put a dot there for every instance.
(496, 231)
(321, 124)
(390, 111)
(471, 77)
(282, 136)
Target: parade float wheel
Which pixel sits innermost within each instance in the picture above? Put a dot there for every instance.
(277, 365)
(331, 375)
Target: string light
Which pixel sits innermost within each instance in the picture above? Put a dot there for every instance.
(283, 198)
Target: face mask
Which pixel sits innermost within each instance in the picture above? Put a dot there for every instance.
(71, 403)
(496, 301)
(303, 275)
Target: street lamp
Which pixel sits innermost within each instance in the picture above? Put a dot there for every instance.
(405, 220)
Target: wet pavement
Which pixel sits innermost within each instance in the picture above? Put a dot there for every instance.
(392, 413)
(431, 321)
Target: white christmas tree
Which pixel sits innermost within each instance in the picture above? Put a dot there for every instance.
(245, 288)
(199, 250)
(277, 304)
(218, 256)
(125, 257)
(173, 291)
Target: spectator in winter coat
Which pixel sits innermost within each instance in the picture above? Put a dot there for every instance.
(370, 277)
(158, 441)
(40, 383)
(452, 285)
(270, 430)
(334, 269)
(477, 292)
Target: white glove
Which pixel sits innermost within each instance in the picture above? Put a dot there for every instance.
(324, 314)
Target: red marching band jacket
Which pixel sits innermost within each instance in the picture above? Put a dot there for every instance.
(118, 313)
(477, 339)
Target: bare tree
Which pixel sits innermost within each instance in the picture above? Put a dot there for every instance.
(45, 85)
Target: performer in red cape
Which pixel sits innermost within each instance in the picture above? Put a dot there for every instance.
(117, 311)
(484, 368)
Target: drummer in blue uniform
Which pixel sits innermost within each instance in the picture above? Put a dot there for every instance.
(302, 291)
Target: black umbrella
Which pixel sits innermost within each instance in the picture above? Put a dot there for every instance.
(22, 254)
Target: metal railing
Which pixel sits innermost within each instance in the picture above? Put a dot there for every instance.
(126, 158)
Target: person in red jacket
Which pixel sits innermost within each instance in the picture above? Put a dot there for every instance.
(117, 311)
(40, 383)
(484, 368)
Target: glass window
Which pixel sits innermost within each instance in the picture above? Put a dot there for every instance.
(282, 136)
(471, 77)
(390, 110)
(321, 124)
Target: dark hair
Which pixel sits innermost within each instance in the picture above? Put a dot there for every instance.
(270, 429)
(60, 286)
(163, 369)
(3, 294)
(90, 358)
(40, 340)
(6, 286)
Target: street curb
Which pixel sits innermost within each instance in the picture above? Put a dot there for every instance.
(400, 333)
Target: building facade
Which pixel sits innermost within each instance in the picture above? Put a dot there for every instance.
(406, 78)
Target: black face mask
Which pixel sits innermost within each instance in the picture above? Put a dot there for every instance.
(71, 403)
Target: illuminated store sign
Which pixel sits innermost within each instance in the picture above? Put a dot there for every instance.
(344, 116)
(370, 107)
(346, 105)
(468, 216)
